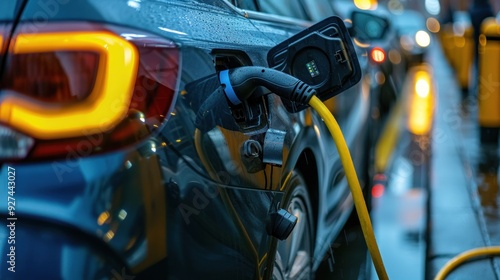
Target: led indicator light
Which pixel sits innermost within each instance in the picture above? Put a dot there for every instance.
(312, 68)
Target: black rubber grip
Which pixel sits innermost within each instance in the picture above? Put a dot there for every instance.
(245, 80)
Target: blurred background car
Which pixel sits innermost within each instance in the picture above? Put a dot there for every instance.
(116, 177)
(388, 66)
(413, 36)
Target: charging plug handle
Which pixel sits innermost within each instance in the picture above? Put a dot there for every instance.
(240, 83)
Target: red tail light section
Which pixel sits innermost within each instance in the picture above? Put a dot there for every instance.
(84, 88)
(54, 77)
(157, 76)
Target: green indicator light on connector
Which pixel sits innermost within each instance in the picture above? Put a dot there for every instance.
(312, 68)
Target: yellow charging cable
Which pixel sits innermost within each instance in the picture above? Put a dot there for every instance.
(352, 179)
(466, 256)
(364, 217)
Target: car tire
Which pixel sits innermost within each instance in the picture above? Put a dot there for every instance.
(294, 255)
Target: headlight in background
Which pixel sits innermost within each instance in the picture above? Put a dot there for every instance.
(422, 38)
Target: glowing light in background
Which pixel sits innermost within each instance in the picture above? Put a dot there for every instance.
(394, 56)
(366, 4)
(380, 77)
(422, 88)
(482, 40)
(122, 215)
(433, 7)
(378, 190)
(360, 44)
(423, 39)
(103, 217)
(378, 55)
(433, 25)
(421, 104)
(109, 235)
(395, 6)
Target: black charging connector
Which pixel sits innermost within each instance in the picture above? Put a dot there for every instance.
(239, 84)
(323, 56)
(320, 60)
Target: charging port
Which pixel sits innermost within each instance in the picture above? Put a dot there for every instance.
(250, 115)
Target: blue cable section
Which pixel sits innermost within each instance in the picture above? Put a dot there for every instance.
(231, 95)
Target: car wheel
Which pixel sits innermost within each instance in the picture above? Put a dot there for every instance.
(294, 255)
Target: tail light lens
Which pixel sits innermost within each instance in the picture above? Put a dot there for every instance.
(55, 77)
(85, 88)
(378, 55)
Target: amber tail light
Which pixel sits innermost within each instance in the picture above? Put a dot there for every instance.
(79, 89)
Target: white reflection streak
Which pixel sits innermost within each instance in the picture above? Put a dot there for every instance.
(131, 36)
(134, 4)
(172, 31)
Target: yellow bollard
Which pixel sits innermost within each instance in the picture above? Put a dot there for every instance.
(446, 37)
(489, 80)
(463, 54)
(458, 46)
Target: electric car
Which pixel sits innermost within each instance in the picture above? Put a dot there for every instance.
(111, 172)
